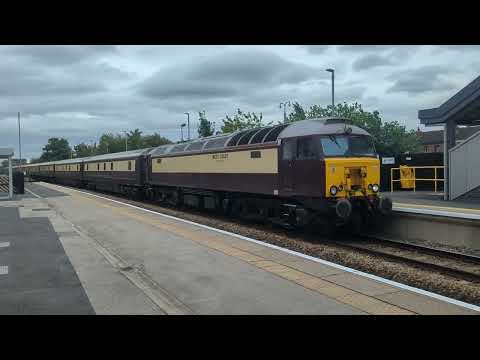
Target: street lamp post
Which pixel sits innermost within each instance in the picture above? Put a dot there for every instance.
(188, 125)
(126, 140)
(181, 129)
(284, 104)
(333, 87)
(19, 141)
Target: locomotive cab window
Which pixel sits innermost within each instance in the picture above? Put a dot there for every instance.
(341, 145)
(306, 149)
(289, 149)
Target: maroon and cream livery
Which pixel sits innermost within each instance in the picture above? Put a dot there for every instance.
(297, 173)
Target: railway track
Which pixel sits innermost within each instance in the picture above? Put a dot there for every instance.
(460, 265)
(446, 272)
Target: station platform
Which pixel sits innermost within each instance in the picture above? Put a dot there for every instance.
(431, 203)
(68, 251)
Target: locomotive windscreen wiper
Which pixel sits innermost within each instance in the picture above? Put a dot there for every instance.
(334, 139)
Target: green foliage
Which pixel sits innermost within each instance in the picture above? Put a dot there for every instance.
(390, 137)
(297, 114)
(82, 150)
(205, 127)
(242, 121)
(56, 149)
(154, 140)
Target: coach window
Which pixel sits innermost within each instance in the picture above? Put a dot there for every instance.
(98, 167)
(104, 166)
(289, 149)
(129, 165)
(87, 166)
(111, 166)
(306, 149)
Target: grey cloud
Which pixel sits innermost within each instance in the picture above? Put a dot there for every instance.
(60, 54)
(225, 75)
(421, 80)
(365, 48)
(316, 49)
(22, 81)
(370, 61)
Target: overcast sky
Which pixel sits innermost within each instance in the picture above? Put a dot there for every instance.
(79, 92)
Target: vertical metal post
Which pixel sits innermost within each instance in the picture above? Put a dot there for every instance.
(414, 181)
(435, 179)
(445, 162)
(391, 180)
(10, 179)
(188, 125)
(333, 90)
(19, 142)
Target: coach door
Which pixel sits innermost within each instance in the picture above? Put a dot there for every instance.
(287, 166)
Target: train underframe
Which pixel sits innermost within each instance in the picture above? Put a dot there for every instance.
(322, 215)
(357, 214)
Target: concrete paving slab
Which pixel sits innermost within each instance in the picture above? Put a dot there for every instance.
(423, 305)
(361, 284)
(41, 279)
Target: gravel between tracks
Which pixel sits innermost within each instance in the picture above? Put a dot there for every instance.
(312, 245)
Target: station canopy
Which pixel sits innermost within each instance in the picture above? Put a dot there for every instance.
(463, 108)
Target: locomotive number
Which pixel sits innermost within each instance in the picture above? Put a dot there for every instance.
(219, 156)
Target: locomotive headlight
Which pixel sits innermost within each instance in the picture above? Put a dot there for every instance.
(375, 188)
(333, 190)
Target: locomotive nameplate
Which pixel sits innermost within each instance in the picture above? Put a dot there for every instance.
(220, 156)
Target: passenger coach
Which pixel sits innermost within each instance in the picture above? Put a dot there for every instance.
(313, 171)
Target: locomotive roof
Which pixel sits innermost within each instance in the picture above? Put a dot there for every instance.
(269, 134)
(115, 156)
(321, 126)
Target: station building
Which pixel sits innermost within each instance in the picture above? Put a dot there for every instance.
(461, 159)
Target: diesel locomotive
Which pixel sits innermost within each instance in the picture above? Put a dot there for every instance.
(323, 172)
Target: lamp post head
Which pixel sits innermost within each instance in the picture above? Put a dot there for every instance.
(330, 70)
(183, 125)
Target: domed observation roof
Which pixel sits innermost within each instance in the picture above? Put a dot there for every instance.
(263, 135)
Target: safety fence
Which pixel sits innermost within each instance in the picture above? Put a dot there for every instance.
(408, 179)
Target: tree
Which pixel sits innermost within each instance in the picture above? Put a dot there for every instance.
(83, 150)
(154, 140)
(56, 149)
(241, 121)
(205, 127)
(390, 137)
(134, 139)
(297, 114)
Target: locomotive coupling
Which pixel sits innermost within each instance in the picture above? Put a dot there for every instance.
(343, 208)
(385, 205)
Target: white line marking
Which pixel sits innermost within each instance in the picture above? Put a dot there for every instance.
(288, 251)
(31, 192)
(3, 270)
(452, 214)
(4, 244)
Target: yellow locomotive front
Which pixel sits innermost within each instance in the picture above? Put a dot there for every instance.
(352, 176)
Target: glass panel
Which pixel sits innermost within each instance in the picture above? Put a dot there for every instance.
(306, 149)
(341, 145)
(289, 149)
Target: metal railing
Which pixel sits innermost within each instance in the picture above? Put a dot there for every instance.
(435, 179)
